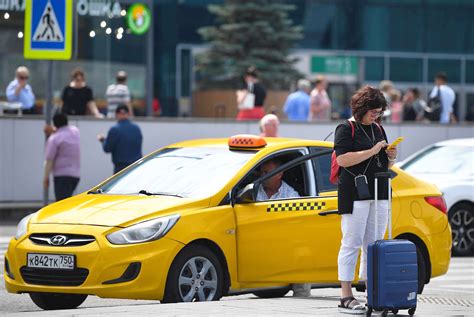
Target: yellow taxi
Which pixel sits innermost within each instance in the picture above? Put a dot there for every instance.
(184, 224)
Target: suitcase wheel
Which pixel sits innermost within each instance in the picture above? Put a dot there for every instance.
(385, 313)
(395, 311)
(369, 312)
(411, 311)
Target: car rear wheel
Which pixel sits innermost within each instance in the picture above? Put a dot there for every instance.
(461, 218)
(272, 293)
(52, 301)
(195, 275)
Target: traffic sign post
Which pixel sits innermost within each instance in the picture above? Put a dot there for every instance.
(48, 36)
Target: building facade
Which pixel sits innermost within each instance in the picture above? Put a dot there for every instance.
(406, 41)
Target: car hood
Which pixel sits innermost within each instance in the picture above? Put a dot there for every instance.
(114, 210)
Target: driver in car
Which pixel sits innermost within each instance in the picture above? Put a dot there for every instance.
(276, 188)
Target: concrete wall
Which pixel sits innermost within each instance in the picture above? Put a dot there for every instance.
(22, 145)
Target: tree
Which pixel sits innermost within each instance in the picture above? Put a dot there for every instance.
(249, 33)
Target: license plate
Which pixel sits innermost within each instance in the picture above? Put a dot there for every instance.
(51, 261)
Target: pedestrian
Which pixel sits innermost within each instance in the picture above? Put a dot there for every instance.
(360, 156)
(396, 107)
(413, 105)
(320, 104)
(446, 97)
(62, 158)
(78, 98)
(269, 126)
(118, 93)
(18, 90)
(251, 97)
(386, 87)
(124, 140)
(297, 104)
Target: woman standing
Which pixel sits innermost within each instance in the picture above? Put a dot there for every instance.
(252, 86)
(360, 147)
(78, 99)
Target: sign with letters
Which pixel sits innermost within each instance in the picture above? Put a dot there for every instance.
(48, 29)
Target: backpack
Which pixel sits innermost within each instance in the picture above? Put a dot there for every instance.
(334, 176)
(434, 107)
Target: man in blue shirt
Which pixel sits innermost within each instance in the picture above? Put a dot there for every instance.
(297, 104)
(124, 140)
(18, 90)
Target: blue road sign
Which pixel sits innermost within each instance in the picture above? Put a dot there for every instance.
(48, 29)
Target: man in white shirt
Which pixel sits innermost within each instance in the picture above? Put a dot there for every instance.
(447, 97)
(275, 187)
(118, 94)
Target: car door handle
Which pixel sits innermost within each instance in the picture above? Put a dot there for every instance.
(329, 212)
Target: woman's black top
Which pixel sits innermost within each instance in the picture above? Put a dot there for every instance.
(75, 100)
(344, 143)
(259, 92)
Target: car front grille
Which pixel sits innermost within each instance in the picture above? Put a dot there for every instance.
(70, 240)
(39, 276)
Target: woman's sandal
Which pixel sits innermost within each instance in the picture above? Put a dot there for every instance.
(350, 305)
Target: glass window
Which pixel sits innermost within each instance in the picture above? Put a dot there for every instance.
(454, 160)
(374, 68)
(295, 178)
(451, 67)
(322, 167)
(406, 69)
(185, 172)
(469, 71)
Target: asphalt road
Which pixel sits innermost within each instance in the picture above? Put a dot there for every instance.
(451, 294)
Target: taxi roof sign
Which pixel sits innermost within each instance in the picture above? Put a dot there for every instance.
(48, 29)
(246, 141)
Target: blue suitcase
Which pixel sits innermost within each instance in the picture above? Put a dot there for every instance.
(392, 271)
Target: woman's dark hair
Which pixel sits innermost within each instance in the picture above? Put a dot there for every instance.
(60, 120)
(251, 71)
(77, 72)
(365, 99)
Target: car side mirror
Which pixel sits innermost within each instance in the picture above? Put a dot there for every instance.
(248, 194)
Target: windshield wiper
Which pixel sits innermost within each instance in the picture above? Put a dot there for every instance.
(97, 191)
(145, 192)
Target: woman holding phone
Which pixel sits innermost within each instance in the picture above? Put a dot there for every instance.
(361, 151)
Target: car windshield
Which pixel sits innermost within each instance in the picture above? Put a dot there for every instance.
(456, 160)
(183, 172)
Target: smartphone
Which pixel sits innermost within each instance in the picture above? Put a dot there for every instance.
(395, 143)
(362, 187)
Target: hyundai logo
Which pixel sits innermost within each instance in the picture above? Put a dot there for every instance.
(58, 240)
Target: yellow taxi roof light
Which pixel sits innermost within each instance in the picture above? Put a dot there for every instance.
(248, 141)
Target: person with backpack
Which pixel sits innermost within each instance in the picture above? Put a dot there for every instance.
(360, 152)
(441, 101)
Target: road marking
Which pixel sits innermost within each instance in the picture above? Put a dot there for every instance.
(442, 289)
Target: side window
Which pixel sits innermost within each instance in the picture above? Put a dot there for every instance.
(294, 179)
(322, 170)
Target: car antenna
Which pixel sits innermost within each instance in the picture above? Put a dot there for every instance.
(328, 136)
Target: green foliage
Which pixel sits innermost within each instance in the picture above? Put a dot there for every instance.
(249, 32)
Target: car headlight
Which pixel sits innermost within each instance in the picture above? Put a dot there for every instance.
(22, 226)
(144, 231)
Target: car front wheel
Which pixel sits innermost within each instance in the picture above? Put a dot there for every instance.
(461, 219)
(52, 301)
(195, 275)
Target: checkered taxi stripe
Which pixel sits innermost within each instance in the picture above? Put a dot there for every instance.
(296, 206)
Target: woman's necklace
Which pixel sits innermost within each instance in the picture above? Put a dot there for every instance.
(372, 140)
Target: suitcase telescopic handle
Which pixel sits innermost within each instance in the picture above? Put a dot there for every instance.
(389, 193)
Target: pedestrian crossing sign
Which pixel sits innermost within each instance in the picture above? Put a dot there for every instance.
(48, 29)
